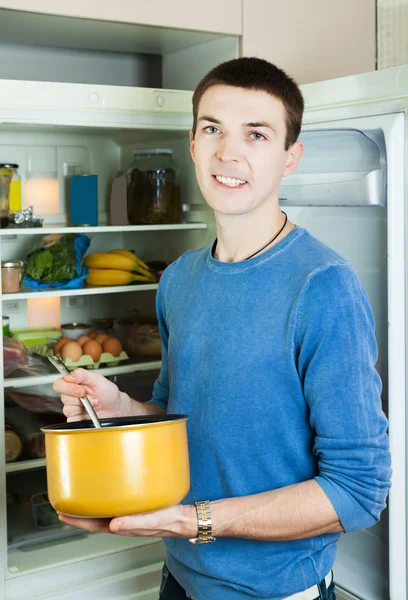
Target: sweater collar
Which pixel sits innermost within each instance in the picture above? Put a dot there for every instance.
(239, 267)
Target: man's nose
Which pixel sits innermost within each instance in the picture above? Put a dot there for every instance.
(228, 150)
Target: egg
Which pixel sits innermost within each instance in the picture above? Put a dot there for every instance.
(71, 350)
(60, 343)
(101, 337)
(92, 334)
(113, 346)
(93, 348)
(82, 339)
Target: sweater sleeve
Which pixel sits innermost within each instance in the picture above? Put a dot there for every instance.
(336, 353)
(161, 389)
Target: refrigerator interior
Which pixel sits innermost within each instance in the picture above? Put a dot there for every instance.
(362, 228)
(103, 152)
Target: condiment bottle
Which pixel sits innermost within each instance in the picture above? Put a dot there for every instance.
(153, 194)
(15, 202)
(11, 273)
(5, 178)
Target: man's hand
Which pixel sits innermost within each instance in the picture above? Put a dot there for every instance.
(106, 398)
(177, 521)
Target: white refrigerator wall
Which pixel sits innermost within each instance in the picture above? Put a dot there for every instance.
(372, 239)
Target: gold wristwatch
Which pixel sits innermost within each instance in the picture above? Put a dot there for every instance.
(204, 535)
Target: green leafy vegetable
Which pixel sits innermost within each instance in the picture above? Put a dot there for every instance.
(54, 259)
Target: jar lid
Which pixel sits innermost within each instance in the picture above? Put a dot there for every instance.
(11, 264)
(153, 152)
(8, 166)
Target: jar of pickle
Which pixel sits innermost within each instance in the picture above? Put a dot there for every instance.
(153, 194)
(5, 179)
(15, 187)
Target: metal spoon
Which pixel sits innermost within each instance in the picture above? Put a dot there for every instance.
(59, 365)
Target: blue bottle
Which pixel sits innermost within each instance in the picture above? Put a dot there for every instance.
(83, 200)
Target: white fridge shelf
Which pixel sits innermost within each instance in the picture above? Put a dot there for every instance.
(25, 465)
(91, 291)
(20, 382)
(100, 229)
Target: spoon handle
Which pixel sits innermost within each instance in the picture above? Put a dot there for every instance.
(59, 365)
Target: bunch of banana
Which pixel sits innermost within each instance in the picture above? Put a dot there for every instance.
(116, 267)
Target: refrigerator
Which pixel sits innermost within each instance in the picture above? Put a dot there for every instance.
(349, 191)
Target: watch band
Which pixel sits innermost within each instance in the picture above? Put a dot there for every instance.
(204, 535)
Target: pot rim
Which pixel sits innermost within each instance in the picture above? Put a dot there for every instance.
(88, 427)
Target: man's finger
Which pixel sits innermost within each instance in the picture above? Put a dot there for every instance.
(91, 525)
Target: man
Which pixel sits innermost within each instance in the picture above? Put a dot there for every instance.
(268, 346)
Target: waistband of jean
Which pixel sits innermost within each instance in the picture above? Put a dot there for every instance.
(311, 593)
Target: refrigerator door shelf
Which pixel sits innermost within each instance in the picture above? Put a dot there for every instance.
(339, 167)
(345, 189)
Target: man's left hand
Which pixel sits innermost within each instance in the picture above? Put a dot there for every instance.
(177, 521)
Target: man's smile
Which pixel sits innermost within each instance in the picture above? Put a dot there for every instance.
(229, 182)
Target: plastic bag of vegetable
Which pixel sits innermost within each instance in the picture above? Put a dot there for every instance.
(57, 262)
(16, 357)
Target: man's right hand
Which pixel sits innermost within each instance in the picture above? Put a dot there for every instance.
(106, 398)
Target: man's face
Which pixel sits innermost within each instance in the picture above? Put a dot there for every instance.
(239, 149)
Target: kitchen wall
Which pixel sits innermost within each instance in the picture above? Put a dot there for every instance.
(312, 40)
(392, 33)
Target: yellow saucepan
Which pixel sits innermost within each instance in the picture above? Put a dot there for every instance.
(131, 465)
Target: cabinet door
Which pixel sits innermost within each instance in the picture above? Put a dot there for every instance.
(314, 40)
(211, 16)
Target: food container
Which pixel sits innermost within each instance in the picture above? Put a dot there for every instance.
(15, 187)
(103, 325)
(43, 514)
(87, 362)
(13, 443)
(138, 338)
(5, 179)
(73, 331)
(11, 274)
(153, 194)
(131, 465)
(34, 337)
(6, 326)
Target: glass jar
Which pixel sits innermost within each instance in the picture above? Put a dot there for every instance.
(5, 178)
(153, 195)
(11, 273)
(15, 203)
(6, 326)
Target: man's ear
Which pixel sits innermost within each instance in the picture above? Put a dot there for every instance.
(295, 154)
(192, 146)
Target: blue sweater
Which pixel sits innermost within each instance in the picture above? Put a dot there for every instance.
(273, 360)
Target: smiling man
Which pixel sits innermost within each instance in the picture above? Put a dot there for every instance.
(269, 347)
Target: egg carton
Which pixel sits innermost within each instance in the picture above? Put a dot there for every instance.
(86, 361)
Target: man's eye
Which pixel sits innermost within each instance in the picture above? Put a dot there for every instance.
(211, 129)
(257, 136)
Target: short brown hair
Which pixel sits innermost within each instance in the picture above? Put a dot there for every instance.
(257, 74)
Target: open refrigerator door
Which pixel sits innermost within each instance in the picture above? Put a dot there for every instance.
(350, 192)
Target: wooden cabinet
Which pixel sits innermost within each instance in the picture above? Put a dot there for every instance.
(313, 40)
(212, 15)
